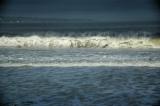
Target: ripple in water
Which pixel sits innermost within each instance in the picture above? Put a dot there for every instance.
(80, 86)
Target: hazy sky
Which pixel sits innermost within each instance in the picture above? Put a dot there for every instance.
(108, 10)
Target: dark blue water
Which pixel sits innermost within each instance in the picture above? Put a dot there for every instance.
(114, 29)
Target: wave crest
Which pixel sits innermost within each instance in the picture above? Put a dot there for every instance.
(78, 42)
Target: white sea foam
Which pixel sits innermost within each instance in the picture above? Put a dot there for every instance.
(83, 64)
(77, 42)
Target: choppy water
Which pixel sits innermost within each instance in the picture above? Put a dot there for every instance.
(79, 64)
(79, 42)
(79, 77)
(80, 86)
(66, 57)
(80, 34)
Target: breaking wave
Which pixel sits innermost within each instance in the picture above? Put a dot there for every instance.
(79, 42)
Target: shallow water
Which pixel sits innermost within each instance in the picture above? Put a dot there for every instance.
(80, 86)
(79, 77)
(79, 57)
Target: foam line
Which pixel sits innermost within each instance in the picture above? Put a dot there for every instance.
(144, 64)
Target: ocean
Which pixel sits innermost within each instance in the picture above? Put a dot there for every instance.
(79, 64)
